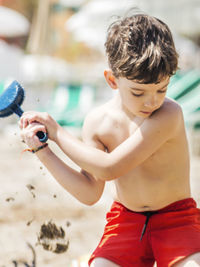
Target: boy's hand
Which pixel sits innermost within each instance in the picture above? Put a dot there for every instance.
(28, 134)
(43, 118)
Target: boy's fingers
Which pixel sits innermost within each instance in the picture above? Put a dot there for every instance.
(39, 129)
(28, 134)
(23, 122)
(26, 119)
(35, 126)
(33, 116)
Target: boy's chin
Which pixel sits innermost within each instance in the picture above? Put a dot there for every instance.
(143, 114)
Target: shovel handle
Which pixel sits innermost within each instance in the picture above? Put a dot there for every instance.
(43, 137)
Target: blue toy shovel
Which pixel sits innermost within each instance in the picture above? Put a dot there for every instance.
(10, 102)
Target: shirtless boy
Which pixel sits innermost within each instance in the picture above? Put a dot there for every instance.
(137, 140)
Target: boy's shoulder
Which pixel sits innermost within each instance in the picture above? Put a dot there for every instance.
(107, 113)
(103, 118)
(170, 108)
(169, 116)
(104, 121)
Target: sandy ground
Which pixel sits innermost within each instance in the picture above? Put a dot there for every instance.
(23, 211)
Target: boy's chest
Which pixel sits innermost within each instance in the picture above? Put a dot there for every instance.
(123, 129)
(119, 132)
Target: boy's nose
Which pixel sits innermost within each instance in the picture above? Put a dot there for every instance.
(151, 102)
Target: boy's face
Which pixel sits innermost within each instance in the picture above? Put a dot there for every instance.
(141, 99)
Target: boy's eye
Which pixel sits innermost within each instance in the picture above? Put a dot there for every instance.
(164, 91)
(136, 94)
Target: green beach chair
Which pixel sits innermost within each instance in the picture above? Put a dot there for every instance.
(190, 102)
(70, 104)
(184, 83)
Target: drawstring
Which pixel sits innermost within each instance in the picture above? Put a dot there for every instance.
(148, 214)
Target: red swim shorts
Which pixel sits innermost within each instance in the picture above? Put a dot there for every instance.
(141, 238)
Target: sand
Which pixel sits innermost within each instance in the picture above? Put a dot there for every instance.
(30, 197)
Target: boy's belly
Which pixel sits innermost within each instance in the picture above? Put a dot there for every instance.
(143, 193)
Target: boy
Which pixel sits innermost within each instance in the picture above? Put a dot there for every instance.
(138, 140)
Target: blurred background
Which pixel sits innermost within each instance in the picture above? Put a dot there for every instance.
(55, 49)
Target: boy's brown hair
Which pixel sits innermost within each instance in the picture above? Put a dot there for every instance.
(141, 47)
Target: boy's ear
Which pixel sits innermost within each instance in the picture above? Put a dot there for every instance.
(110, 78)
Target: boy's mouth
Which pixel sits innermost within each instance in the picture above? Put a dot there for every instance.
(146, 112)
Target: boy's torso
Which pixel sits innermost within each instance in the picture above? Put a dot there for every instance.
(161, 179)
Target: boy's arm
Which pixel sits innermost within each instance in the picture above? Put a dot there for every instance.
(148, 138)
(80, 184)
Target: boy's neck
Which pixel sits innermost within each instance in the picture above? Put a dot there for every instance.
(120, 105)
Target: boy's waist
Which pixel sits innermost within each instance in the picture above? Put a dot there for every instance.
(174, 206)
